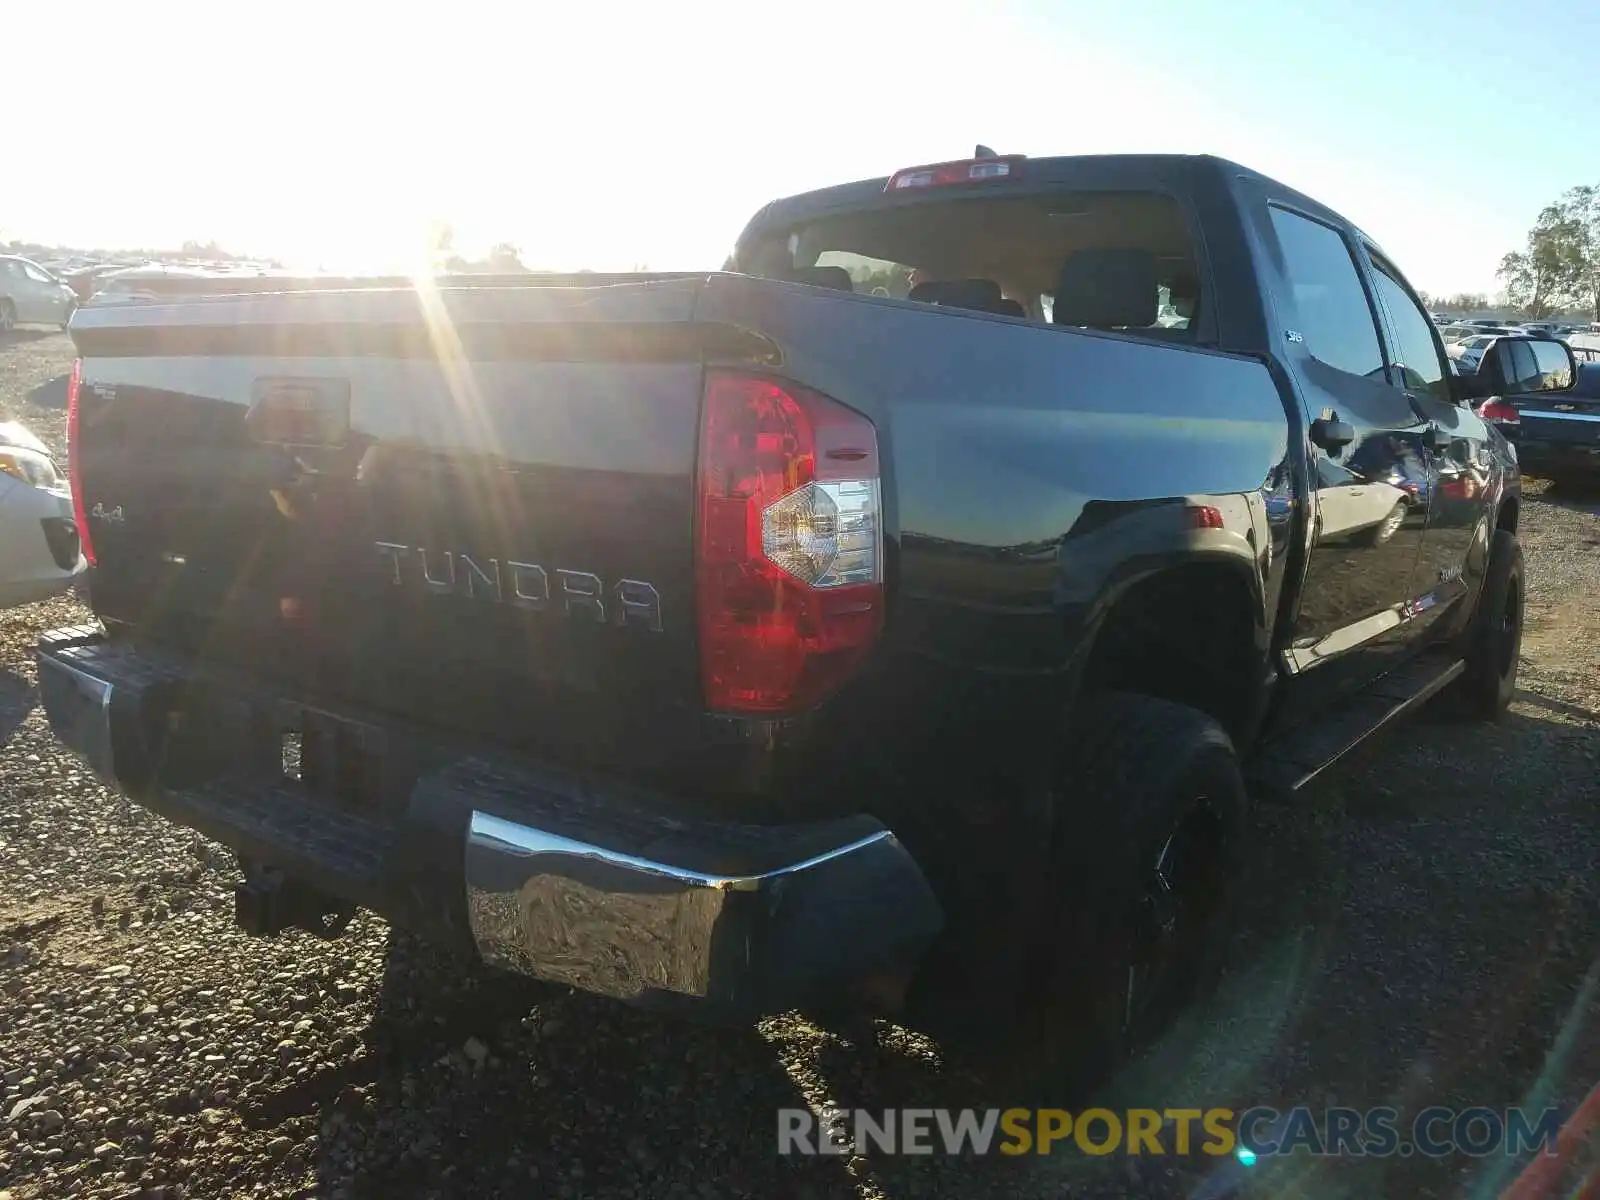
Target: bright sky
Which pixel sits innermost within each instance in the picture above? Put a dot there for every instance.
(608, 134)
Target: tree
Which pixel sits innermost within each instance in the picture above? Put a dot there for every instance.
(1560, 264)
(505, 258)
(1524, 284)
(1580, 207)
(206, 250)
(1543, 277)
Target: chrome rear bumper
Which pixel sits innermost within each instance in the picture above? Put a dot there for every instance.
(629, 926)
(548, 875)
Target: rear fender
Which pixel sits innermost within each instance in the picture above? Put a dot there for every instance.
(1187, 622)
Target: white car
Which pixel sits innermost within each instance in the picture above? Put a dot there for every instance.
(1468, 352)
(30, 295)
(39, 551)
(1349, 505)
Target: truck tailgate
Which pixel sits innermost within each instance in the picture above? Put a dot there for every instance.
(473, 508)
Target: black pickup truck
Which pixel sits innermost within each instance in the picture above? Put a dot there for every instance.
(900, 615)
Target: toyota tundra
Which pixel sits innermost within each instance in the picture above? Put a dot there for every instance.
(902, 616)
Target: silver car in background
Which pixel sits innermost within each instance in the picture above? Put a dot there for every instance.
(31, 295)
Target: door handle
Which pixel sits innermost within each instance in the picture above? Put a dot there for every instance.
(1433, 437)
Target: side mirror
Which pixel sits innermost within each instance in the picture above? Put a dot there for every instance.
(1332, 434)
(1519, 366)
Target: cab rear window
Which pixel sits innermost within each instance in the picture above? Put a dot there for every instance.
(1126, 259)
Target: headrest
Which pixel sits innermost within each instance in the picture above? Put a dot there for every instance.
(1107, 288)
(980, 294)
(829, 277)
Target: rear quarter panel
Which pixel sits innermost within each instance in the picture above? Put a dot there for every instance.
(1032, 475)
(1034, 472)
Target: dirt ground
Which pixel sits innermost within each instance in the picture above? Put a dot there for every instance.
(1424, 930)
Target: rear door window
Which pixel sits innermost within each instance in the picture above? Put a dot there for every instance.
(1330, 302)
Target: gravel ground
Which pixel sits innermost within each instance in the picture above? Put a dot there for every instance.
(1424, 932)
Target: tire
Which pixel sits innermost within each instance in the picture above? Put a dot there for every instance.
(1140, 904)
(67, 320)
(8, 316)
(1492, 643)
(1388, 527)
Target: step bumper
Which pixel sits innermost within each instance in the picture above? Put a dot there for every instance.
(565, 879)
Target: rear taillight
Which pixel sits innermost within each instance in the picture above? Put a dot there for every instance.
(950, 174)
(80, 514)
(789, 545)
(1500, 410)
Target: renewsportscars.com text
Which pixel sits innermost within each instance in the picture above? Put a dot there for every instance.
(1253, 1132)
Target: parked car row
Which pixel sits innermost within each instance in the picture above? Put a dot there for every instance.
(1468, 351)
(33, 293)
(1466, 342)
(1452, 329)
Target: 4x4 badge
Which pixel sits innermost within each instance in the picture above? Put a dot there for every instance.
(100, 513)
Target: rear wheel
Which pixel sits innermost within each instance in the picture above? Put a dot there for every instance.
(1492, 645)
(1151, 809)
(67, 317)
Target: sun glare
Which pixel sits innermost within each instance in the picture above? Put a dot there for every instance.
(339, 135)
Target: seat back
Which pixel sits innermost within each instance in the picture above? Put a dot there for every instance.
(1107, 289)
(978, 295)
(829, 277)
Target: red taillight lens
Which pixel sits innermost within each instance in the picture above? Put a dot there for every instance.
(1500, 410)
(80, 514)
(789, 549)
(949, 174)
